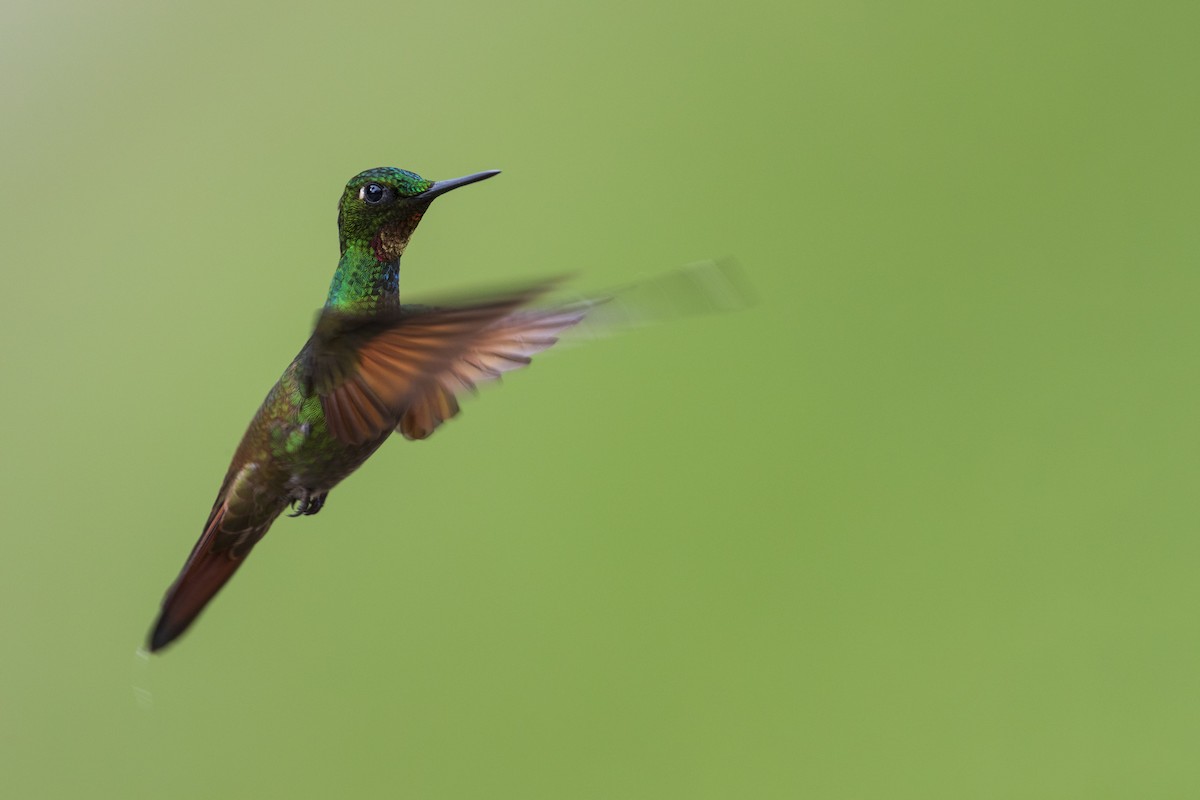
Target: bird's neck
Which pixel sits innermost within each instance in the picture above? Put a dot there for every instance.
(363, 284)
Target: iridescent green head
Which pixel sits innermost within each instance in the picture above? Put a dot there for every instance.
(381, 207)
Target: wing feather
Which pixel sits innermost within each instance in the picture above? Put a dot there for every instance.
(403, 372)
(508, 344)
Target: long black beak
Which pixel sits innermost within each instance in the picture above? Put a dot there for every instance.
(441, 187)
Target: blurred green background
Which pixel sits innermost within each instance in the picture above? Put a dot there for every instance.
(922, 523)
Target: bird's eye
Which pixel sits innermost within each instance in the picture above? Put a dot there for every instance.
(373, 193)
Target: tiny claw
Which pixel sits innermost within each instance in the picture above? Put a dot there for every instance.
(315, 504)
(308, 505)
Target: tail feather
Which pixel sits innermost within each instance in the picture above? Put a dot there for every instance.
(207, 569)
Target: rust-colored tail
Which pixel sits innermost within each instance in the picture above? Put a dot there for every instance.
(213, 561)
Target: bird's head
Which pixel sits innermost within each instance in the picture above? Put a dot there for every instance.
(381, 207)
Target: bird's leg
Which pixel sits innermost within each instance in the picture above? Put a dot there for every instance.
(309, 504)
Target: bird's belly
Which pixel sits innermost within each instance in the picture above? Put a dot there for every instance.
(314, 461)
(304, 457)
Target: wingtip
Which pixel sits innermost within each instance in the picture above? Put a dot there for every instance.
(202, 577)
(161, 635)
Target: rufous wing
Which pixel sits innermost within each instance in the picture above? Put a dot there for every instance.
(507, 344)
(214, 559)
(403, 372)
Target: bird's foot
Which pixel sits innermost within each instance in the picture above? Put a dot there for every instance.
(309, 504)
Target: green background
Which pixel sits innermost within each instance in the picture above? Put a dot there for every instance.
(922, 523)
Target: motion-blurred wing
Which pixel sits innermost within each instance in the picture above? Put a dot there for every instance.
(236, 524)
(402, 372)
(507, 344)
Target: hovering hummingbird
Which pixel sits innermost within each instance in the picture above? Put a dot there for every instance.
(371, 367)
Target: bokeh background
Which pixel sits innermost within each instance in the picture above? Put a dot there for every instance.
(922, 523)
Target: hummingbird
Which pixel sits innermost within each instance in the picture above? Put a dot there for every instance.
(372, 367)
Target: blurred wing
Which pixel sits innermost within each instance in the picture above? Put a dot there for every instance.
(507, 344)
(238, 521)
(371, 373)
(406, 371)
